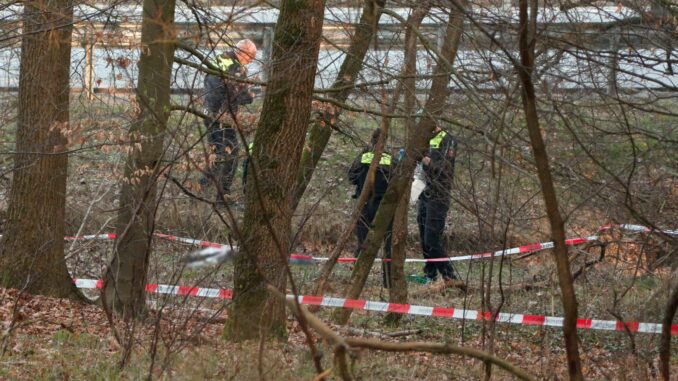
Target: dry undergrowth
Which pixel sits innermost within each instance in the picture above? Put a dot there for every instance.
(45, 338)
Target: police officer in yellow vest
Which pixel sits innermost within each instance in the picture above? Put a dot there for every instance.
(222, 99)
(357, 175)
(434, 202)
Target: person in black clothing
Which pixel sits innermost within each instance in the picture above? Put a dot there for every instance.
(222, 99)
(357, 175)
(434, 202)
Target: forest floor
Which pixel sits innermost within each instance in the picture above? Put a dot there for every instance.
(50, 339)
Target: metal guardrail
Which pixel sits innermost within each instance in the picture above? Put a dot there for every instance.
(104, 28)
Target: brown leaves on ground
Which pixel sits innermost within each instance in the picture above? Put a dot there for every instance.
(74, 340)
(41, 315)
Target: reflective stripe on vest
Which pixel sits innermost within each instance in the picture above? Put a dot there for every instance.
(435, 142)
(224, 63)
(368, 156)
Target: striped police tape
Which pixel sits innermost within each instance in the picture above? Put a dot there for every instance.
(516, 250)
(216, 253)
(637, 229)
(107, 236)
(406, 309)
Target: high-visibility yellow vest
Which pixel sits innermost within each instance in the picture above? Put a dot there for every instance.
(435, 142)
(224, 63)
(367, 157)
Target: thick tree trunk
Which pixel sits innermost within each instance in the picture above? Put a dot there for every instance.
(319, 135)
(526, 46)
(413, 152)
(274, 166)
(32, 256)
(125, 279)
(398, 291)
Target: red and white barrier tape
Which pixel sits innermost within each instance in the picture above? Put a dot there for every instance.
(189, 241)
(308, 258)
(637, 228)
(301, 258)
(406, 309)
(516, 250)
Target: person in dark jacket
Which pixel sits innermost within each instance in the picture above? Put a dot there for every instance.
(357, 175)
(222, 99)
(434, 202)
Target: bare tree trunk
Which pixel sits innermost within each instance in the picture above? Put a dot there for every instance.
(32, 248)
(319, 135)
(275, 163)
(613, 65)
(398, 290)
(413, 152)
(665, 345)
(526, 46)
(125, 278)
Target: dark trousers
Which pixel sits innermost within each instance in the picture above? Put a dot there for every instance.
(363, 228)
(245, 163)
(224, 140)
(431, 214)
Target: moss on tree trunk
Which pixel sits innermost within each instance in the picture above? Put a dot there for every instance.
(32, 248)
(272, 173)
(125, 279)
